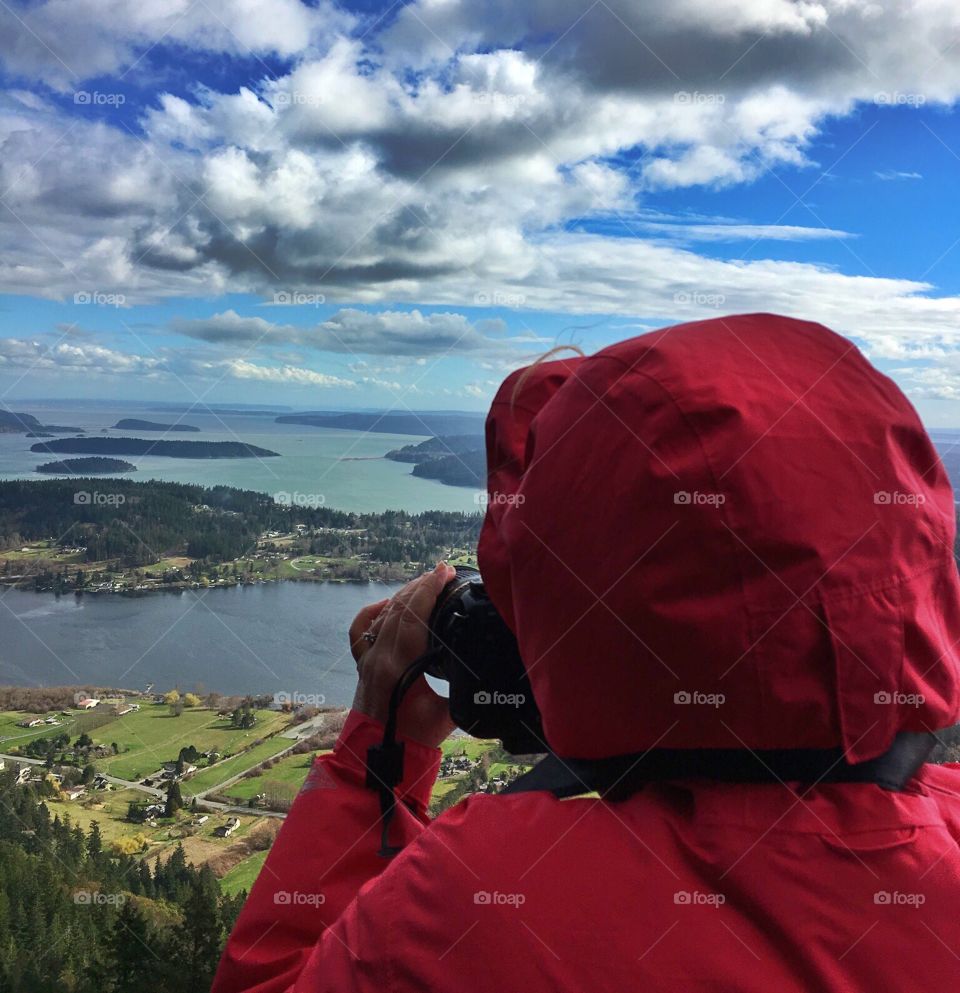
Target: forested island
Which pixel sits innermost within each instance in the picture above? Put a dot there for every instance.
(144, 446)
(463, 469)
(435, 448)
(415, 422)
(134, 424)
(93, 466)
(457, 460)
(12, 422)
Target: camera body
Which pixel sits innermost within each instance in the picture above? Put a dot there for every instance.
(477, 654)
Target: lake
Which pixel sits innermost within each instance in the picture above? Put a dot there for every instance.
(269, 637)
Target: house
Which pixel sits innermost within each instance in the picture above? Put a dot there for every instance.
(100, 782)
(74, 793)
(170, 770)
(3, 764)
(154, 810)
(88, 703)
(29, 722)
(52, 720)
(23, 775)
(225, 830)
(201, 819)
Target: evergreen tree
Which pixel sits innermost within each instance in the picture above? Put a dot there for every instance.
(174, 799)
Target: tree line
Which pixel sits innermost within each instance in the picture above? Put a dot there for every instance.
(80, 917)
(137, 523)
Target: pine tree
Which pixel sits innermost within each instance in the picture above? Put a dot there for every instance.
(174, 799)
(128, 947)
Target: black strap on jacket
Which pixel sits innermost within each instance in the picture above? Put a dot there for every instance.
(620, 777)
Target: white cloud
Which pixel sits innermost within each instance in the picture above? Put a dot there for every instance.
(446, 157)
(890, 175)
(355, 332)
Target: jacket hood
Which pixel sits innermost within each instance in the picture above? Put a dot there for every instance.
(732, 533)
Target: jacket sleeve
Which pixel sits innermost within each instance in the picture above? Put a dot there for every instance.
(325, 851)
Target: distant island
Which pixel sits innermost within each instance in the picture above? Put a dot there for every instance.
(422, 423)
(144, 446)
(434, 448)
(463, 469)
(457, 460)
(12, 422)
(133, 424)
(87, 467)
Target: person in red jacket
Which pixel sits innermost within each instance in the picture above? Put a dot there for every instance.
(726, 549)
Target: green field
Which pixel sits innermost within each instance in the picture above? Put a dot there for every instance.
(152, 736)
(206, 779)
(474, 747)
(11, 735)
(291, 770)
(243, 875)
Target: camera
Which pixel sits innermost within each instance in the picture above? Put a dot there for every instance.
(477, 654)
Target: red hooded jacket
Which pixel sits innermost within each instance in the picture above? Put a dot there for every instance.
(731, 534)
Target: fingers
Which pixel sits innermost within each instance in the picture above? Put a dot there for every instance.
(362, 622)
(403, 629)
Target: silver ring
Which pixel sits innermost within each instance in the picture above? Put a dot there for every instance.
(369, 636)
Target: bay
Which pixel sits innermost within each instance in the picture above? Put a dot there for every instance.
(266, 638)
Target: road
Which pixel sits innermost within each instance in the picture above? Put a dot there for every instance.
(154, 792)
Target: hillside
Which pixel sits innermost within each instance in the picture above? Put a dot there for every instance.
(433, 448)
(463, 469)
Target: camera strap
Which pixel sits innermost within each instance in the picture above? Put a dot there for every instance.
(385, 761)
(621, 776)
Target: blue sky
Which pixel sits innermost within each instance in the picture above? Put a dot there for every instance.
(364, 205)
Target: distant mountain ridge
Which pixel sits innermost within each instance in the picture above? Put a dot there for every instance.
(426, 423)
(134, 424)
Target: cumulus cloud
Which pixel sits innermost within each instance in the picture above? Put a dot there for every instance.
(449, 156)
(68, 41)
(36, 356)
(352, 331)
